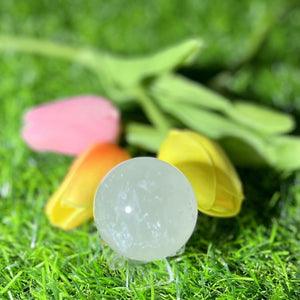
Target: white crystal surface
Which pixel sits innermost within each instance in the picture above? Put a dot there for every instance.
(145, 209)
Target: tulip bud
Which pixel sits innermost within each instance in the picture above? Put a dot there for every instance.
(72, 203)
(215, 181)
(71, 125)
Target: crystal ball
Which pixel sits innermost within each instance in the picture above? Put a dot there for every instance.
(145, 209)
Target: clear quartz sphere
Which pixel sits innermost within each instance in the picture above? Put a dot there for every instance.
(145, 209)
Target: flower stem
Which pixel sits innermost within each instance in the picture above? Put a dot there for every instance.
(36, 46)
(46, 48)
(151, 110)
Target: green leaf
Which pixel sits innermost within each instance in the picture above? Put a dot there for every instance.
(212, 124)
(129, 72)
(261, 118)
(244, 154)
(287, 152)
(145, 136)
(180, 89)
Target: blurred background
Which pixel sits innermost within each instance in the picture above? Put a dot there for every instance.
(251, 47)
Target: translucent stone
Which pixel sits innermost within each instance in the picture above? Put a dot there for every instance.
(145, 209)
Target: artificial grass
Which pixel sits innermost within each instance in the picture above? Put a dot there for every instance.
(254, 255)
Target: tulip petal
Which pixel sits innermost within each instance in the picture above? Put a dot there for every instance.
(71, 125)
(72, 203)
(226, 204)
(227, 176)
(201, 176)
(215, 182)
(182, 151)
(68, 217)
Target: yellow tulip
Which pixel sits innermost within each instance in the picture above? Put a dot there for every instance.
(215, 182)
(72, 203)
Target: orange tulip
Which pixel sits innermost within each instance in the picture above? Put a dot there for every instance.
(72, 203)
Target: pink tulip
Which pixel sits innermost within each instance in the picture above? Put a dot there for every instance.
(70, 126)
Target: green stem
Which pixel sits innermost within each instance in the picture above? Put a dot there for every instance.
(46, 48)
(152, 111)
(95, 61)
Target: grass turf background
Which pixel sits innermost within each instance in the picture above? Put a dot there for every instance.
(252, 51)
